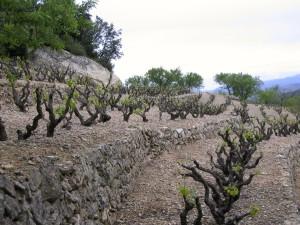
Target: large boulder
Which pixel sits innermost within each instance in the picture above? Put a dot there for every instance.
(82, 65)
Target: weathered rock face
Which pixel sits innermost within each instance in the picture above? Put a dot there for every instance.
(82, 65)
(84, 190)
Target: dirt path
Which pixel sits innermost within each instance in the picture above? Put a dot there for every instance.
(155, 199)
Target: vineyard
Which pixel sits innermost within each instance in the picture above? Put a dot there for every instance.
(76, 150)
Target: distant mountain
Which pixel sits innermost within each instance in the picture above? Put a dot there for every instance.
(286, 84)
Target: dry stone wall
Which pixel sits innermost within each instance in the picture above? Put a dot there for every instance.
(84, 190)
(288, 159)
(291, 159)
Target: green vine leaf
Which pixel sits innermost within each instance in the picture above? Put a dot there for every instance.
(232, 190)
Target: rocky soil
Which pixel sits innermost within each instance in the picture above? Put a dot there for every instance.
(156, 198)
(23, 155)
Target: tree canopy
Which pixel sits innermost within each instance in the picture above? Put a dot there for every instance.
(165, 80)
(137, 81)
(193, 80)
(275, 97)
(270, 96)
(60, 24)
(293, 104)
(239, 84)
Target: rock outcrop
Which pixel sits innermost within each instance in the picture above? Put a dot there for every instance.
(82, 65)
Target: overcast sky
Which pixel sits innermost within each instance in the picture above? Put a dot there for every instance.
(260, 37)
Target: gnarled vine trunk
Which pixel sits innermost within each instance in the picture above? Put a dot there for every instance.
(3, 134)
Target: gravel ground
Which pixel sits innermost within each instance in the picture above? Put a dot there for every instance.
(156, 199)
(23, 155)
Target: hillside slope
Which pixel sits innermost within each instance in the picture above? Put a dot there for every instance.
(291, 83)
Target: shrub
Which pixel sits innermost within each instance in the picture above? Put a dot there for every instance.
(74, 46)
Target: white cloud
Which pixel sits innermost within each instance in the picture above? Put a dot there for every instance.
(261, 37)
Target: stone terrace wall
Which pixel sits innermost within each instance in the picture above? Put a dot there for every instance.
(84, 190)
(291, 160)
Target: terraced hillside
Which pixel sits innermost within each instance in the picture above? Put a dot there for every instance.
(121, 172)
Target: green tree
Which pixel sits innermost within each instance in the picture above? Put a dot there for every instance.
(29, 24)
(18, 22)
(173, 79)
(224, 80)
(293, 104)
(81, 43)
(60, 24)
(159, 77)
(238, 84)
(192, 80)
(107, 42)
(97, 39)
(270, 96)
(176, 78)
(137, 81)
(62, 16)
